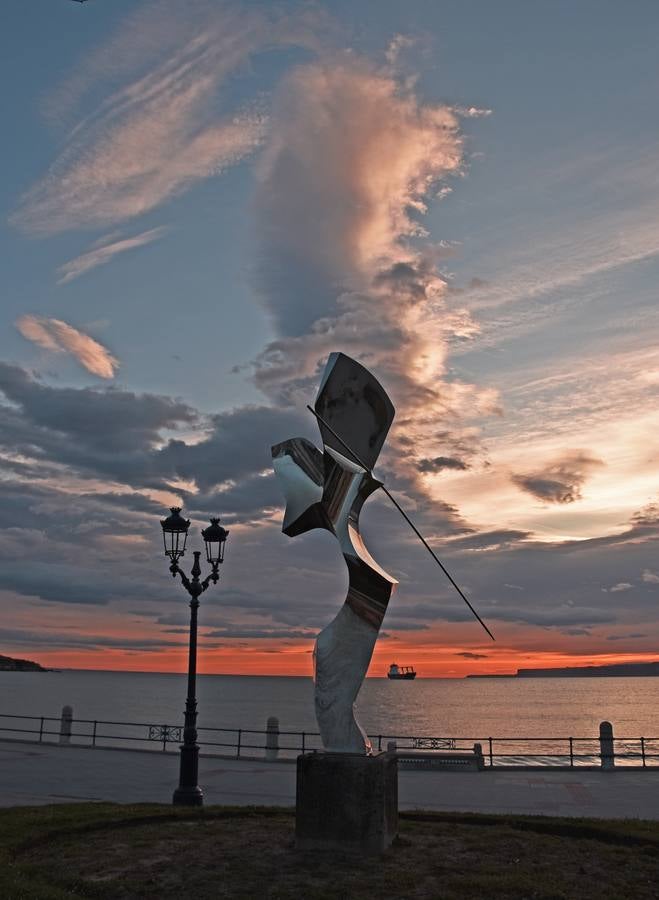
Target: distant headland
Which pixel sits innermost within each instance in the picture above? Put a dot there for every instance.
(612, 671)
(7, 664)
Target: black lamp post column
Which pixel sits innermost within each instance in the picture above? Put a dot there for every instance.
(175, 529)
(188, 792)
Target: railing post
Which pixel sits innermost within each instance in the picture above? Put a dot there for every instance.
(41, 731)
(489, 741)
(379, 743)
(65, 725)
(303, 742)
(643, 751)
(240, 737)
(94, 734)
(164, 738)
(607, 753)
(571, 753)
(272, 739)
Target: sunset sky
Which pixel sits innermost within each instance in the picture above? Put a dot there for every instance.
(202, 200)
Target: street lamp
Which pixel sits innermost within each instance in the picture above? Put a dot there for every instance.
(175, 534)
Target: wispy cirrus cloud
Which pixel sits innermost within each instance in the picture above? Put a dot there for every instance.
(59, 337)
(101, 254)
(160, 130)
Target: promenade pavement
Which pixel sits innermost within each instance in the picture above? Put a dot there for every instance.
(35, 774)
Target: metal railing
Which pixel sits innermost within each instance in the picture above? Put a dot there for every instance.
(562, 752)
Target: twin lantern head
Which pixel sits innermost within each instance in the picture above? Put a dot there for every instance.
(175, 534)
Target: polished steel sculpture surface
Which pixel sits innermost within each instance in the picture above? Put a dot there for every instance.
(327, 490)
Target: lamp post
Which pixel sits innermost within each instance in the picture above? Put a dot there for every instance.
(175, 534)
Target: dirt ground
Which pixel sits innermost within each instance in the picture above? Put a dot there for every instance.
(217, 853)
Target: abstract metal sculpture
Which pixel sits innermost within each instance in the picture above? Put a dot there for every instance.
(327, 490)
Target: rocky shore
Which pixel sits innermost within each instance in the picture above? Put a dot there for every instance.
(8, 664)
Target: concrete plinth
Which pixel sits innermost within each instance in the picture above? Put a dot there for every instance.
(346, 801)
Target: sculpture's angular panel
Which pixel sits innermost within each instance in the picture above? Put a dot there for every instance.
(354, 403)
(327, 490)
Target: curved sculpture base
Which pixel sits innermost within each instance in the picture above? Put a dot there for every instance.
(342, 656)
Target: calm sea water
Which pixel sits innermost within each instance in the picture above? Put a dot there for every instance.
(473, 708)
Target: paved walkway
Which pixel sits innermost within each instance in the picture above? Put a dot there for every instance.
(33, 774)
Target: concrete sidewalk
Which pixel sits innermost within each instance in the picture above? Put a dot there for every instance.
(32, 774)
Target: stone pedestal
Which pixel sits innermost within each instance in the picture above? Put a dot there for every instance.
(346, 801)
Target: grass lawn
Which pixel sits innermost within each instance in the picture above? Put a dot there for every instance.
(110, 851)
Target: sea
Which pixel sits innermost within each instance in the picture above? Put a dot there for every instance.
(468, 709)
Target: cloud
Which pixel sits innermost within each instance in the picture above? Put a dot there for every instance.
(490, 540)
(120, 435)
(621, 586)
(351, 156)
(60, 584)
(561, 480)
(58, 337)
(236, 447)
(100, 255)
(398, 44)
(352, 159)
(466, 654)
(473, 112)
(76, 522)
(261, 634)
(157, 127)
(552, 617)
(441, 462)
(71, 640)
(650, 577)
(625, 637)
(105, 431)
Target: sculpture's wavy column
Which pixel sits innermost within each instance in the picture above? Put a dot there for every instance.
(327, 490)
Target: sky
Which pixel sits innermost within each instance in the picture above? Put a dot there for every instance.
(201, 201)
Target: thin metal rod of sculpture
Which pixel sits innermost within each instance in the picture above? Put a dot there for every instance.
(327, 490)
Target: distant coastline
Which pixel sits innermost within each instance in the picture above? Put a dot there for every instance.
(616, 670)
(9, 664)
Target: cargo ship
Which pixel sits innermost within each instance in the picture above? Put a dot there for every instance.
(406, 673)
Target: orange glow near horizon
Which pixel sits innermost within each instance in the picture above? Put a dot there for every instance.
(430, 661)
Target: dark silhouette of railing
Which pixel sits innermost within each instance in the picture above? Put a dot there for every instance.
(239, 743)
